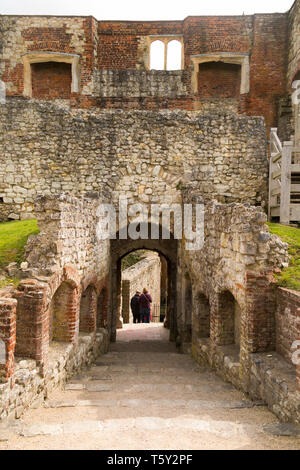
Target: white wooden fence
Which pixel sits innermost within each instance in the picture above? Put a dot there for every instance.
(284, 181)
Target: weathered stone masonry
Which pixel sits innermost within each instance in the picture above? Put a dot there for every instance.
(154, 137)
(145, 155)
(107, 48)
(48, 322)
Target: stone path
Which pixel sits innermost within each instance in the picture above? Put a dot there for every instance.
(143, 395)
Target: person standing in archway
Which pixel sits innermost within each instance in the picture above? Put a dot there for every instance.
(145, 305)
(135, 307)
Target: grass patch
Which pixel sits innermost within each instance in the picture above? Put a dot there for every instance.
(289, 277)
(9, 282)
(13, 238)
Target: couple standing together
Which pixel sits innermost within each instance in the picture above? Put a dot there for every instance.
(141, 307)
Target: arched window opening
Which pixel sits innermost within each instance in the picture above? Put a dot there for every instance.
(157, 55)
(174, 52)
(229, 316)
(62, 314)
(88, 306)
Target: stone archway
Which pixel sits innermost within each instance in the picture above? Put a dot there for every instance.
(167, 248)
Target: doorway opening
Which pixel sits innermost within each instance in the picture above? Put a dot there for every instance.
(139, 264)
(144, 269)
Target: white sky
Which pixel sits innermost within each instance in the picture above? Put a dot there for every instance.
(142, 9)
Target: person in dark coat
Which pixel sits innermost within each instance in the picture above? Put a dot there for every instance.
(145, 305)
(135, 307)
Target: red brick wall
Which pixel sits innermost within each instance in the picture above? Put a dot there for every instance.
(51, 80)
(118, 41)
(219, 80)
(267, 66)
(205, 34)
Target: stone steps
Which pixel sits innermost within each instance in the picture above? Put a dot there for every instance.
(221, 428)
(145, 399)
(155, 403)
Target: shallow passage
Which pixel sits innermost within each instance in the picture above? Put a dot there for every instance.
(144, 395)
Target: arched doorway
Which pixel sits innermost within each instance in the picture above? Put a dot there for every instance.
(63, 314)
(169, 250)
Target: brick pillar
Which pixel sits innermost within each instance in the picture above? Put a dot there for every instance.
(32, 321)
(8, 309)
(88, 310)
(258, 324)
(259, 330)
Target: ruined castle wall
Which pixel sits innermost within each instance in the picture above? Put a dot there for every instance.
(147, 156)
(232, 286)
(67, 237)
(147, 274)
(119, 46)
(72, 35)
(238, 256)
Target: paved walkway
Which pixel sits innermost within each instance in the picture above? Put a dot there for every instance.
(143, 395)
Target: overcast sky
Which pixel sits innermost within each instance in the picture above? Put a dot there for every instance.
(142, 9)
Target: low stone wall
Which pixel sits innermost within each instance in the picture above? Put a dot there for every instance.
(30, 384)
(272, 380)
(147, 274)
(141, 83)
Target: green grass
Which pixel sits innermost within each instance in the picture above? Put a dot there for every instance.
(13, 238)
(289, 277)
(9, 282)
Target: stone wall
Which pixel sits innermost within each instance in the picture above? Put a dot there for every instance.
(144, 155)
(47, 329)
(30, 385)
(145, 273)
(67, 237)
(136, 83)
(287, 321)
(235, 327)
